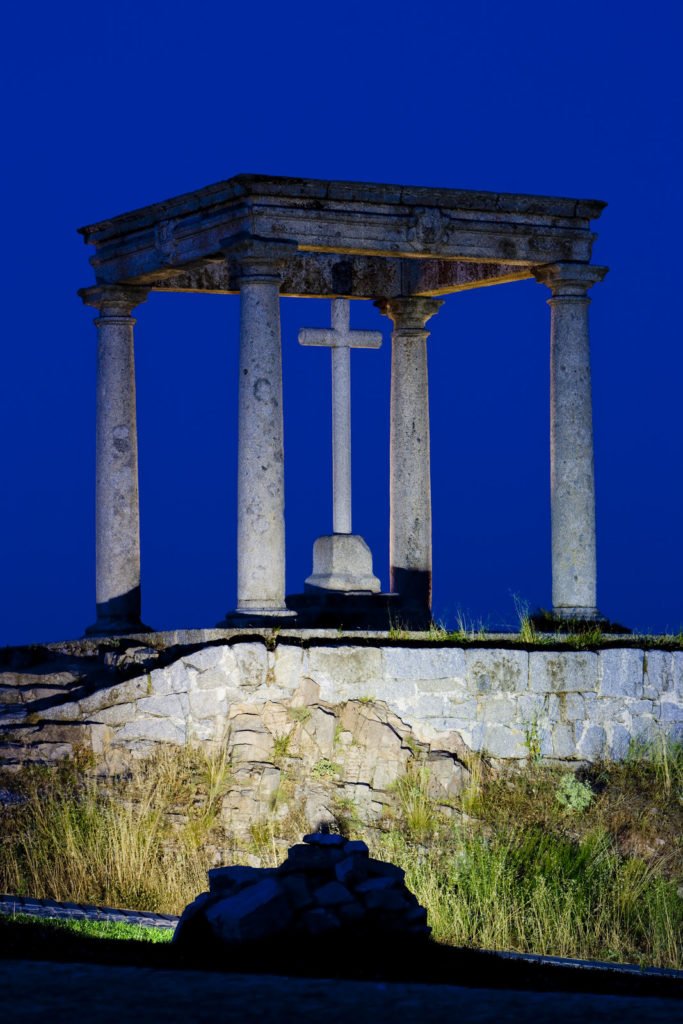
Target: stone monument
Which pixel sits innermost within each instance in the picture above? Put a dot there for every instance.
(405, 248)
(341, 560)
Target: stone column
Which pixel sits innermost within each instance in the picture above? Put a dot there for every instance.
(117, 503)
(410, 523)
(572, 484)
(260, 472)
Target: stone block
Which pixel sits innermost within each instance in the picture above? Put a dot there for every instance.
(256, 912)
(119, 714)
(502, 741)
(447, 777)
(572, 707)
(389, 900)
(424, 663)
(620, 673)
(591, 742)
(609, 709)
(121, 693)
(315, 737)
(658, 668)
(670, 711)
(158, 730)
(237, 875)
(678, 674)
(496, 671)
(252, 664)
(466, 708)
(172, 705)
(444, 686)
(563, 671)
(431, 705)
(534, 707)
(251, 796)
(249, 739)
(618, 741)
(342, 562)
(332, 840)
(563, 744)
(344, 671)
(498, 708)
(206, 703)
(297, 891)
(287, 668)
(100, 738)
(209, 659)
(332, 894)
(306, 693)
(352, 869)
(356, 846)
(175, 678)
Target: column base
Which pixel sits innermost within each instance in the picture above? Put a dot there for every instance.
(117, 627)
(258, 617)
(574, 620)
(579, 614)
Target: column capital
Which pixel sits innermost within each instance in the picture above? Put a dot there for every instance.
(410, 313)
(114, 300)
(258, 257)
(569, 280)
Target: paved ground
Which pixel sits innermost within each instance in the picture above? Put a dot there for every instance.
(11, 905)
(38, 991)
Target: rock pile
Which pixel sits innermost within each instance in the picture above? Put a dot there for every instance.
(327, 885)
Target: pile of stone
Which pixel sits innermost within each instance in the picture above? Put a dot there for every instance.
(327, 886)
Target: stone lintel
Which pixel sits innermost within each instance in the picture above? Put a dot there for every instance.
(324, 275)
(343, 218)
(251, 255)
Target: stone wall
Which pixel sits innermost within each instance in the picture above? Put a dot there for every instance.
(341, 718)
(565, 705)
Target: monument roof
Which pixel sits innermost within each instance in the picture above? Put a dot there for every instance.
(158, 245)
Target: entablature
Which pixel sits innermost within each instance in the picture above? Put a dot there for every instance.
(344, 228)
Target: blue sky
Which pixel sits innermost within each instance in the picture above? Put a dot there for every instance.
(111, 107)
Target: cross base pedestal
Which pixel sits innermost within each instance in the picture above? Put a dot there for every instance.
(342, 562)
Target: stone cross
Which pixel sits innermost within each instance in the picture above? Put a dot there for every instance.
(341, 339)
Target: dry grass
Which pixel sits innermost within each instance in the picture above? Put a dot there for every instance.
(507, 865)
(139, 842)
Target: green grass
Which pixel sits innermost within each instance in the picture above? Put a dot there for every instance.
(95, 929)
(529, 860)
(533, 892)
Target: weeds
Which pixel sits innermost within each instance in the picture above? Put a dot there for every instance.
(520, 860)
(126, 845)
(299, 714)
(573, 794)
(324, 769)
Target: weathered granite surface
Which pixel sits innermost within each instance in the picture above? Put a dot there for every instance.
(353, 713)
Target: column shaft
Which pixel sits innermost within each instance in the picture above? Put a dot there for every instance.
(341, 440)
(117, 502)
(260, 484)
(410, 517)
(572, 480)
